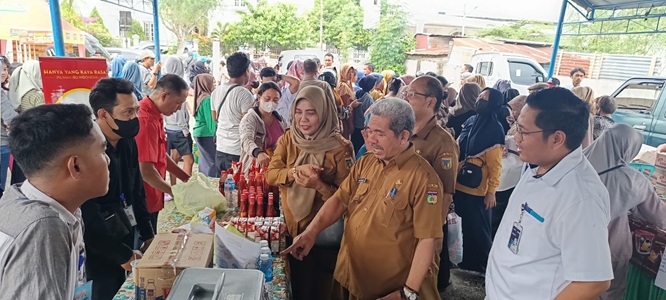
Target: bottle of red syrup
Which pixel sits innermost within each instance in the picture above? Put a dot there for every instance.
(270, 210)
(220, 184)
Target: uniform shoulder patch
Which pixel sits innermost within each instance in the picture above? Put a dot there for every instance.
(432, 197)
(446, 160)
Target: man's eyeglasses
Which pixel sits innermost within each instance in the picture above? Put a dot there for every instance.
(523, 133)
(412, 93)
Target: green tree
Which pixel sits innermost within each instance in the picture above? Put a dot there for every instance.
(391, 41)
(70, 15)
(521, 30)
(95, 26)
(343, 25)
(138, 30)
(182, 16)
(269, 26)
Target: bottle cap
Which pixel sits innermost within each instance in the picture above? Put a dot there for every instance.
(229, 176)
(265, 250)
(263, 243)
(264, 257)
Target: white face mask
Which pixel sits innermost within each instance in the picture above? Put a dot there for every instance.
(268, 107)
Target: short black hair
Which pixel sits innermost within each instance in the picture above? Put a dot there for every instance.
(40, 134)
(560, 110)
(237, 64)
(316, 59)
(442, 80)
(310, 66)
(606, 104)
(371, 67)
(268, 86)
(171, 83)
(267, 72)
(104, 95)
(577, 69)
(329, 55)
(469, 68)
(431, 73)
(434, 88)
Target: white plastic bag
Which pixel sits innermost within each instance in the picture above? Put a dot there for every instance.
(233, 251)
(454, 238)
(196, 194)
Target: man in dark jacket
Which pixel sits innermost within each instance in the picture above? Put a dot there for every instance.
(112, 220)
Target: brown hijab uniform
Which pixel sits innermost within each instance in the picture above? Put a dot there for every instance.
(311, 278)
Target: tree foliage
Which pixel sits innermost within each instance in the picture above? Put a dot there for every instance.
(138, 30)
(391, 41)
(343, 24)
(268, 26)
(521, 30)
(182, 16)
(70, 15)
(95, 26)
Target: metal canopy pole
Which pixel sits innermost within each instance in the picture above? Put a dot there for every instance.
(156, 30)
(558, 35)
(56, 24)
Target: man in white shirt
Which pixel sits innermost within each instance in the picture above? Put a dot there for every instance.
(230, 102)
(552, 242)
(61, 150)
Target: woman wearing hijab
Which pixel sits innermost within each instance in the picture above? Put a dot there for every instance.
(117, 66)
(363, 97)
(132, 73)
(204, 125)
(196, 68)
(262, 127)
(586, 94)
(481, 145)
(387, 75)
(345, 88)
(310, 161)
(505, 111)
(376, 92)
(25, 86)
(629, 191)
(464, 108)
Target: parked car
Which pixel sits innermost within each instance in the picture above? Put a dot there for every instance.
(521, 70)
(641, 104)
(129, 54)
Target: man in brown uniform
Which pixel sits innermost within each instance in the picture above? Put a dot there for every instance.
(439, 148)
(394, 214)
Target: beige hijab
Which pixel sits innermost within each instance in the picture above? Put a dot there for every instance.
(313, 148)
(584, 93)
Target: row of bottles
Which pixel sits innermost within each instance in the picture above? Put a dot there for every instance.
(252, 197)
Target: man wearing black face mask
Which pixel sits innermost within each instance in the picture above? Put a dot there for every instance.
(112, 220)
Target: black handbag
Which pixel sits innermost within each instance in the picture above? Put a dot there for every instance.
(470, 175)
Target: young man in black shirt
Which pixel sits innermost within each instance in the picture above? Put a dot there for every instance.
(112, 220)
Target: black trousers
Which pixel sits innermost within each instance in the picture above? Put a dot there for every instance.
(107, 276)
(223, 161)
(153, 220)
(502, 199)
(444, 275)
(476, 229)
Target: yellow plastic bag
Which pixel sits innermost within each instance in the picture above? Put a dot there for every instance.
(196, 194)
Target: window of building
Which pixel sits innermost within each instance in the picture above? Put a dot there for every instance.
(148, 29)
(239, 3)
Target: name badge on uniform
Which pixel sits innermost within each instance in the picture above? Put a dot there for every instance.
(129, 211)
(361, 180)
(514, 240)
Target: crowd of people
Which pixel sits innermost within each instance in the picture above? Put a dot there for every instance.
(369, 166)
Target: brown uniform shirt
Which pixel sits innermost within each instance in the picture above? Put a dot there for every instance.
(389, 208)
(337, 164)
(441, 150)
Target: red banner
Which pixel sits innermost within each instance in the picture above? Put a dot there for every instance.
(69, 80)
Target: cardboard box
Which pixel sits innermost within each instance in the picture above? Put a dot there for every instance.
(658, 178)
(648, 243)
(167, 256)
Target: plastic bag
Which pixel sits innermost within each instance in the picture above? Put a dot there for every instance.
(454, 238)
(196, 194)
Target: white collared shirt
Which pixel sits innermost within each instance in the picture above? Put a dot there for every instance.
(74, 223)
(569, 243)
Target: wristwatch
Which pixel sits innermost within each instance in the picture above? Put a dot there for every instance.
(409, 294)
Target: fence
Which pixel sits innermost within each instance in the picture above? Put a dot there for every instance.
(608, 66)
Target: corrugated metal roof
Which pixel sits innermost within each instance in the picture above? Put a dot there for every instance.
(589, 4)
(430, 52)
(540, 54)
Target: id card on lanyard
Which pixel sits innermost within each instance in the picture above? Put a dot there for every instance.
(129, 210)
(83, 288)
(517, 229)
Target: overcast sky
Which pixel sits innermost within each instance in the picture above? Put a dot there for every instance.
(547, 10)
